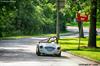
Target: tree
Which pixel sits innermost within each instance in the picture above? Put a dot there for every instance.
(98, 10)
(80, 24)
(7, 14)
(27, 17)
(92, 32)
(78, 5)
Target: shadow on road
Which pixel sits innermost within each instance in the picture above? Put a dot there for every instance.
(22, 51)
(22, 55)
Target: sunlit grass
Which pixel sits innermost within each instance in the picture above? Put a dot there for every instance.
(71, 45)
(13, 37)
(19, 37)
(85, 24)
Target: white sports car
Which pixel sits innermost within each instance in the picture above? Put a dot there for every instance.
(48, 47)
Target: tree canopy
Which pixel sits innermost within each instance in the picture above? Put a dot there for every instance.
(27, 17)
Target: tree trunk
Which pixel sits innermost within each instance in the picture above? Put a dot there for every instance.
(80, 26)
(92, 31)
(0, 34)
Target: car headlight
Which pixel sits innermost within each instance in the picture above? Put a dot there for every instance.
(41, 47)
(58, 48)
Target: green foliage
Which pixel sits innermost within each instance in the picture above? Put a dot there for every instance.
(7, 15)
(98, 10)
(26, 17)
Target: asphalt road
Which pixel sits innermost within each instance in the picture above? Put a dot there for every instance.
(21, 52)
(74, 32)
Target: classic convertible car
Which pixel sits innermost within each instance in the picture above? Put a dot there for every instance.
(48, 47)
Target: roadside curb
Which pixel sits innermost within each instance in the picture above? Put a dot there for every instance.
(84, 57)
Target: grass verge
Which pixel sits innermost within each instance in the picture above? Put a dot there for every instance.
(19, 37)
(71, 45)
(85, 24)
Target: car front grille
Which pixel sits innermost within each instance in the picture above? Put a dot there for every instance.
(49, 48)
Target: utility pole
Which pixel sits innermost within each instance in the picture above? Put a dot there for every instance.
(59, 4)
(57, 23)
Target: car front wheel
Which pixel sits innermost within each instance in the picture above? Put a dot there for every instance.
(59, 55)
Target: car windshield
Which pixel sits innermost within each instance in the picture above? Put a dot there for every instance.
(53, 39)
(49, 40)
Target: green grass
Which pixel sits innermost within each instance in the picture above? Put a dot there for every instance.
(18, 37)
(71, 45)
(98, 25)
(13, 37)
(85, 24)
